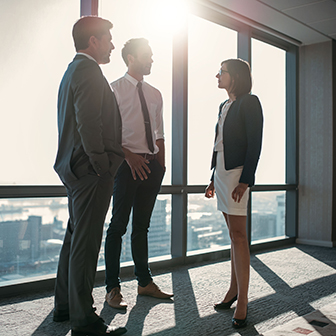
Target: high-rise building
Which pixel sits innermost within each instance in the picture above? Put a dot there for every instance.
(158, 236)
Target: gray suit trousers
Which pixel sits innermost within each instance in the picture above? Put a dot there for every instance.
(88, 201)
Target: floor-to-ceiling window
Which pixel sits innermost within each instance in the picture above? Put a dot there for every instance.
(33, 220)
(208, 45)
(269, 84)
(146, 19)
(36, 49)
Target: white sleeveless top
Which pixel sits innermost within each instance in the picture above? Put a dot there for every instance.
(219, 140)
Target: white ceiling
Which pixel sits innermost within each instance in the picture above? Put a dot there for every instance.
(318, 14)
(307, 21)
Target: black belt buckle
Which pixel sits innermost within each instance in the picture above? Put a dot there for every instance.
(149, 157)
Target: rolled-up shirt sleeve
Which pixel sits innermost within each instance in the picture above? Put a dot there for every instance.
(159, 131)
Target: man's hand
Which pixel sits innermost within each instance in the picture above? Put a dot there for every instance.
(138, 164)
(210, 190)
(238, 192)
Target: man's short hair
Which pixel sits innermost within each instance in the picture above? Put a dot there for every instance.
(88, 26)
(131, 47)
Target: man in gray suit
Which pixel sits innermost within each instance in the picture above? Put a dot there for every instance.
(89, 154)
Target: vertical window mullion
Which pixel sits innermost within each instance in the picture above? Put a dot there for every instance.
(89, 7)
(291, 140)
(244, 44)
(179, 142)
(244, 52)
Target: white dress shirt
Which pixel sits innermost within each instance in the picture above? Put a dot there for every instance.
(88, 56)
(219, 139)
(133, 126)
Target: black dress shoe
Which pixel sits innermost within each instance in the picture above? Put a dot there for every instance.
(61, 315)
(238, 323)
(97, 328)
(225, 305)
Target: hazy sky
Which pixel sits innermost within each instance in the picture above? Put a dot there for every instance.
(38, 46)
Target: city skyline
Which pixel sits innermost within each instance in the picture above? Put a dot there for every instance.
(39, 234)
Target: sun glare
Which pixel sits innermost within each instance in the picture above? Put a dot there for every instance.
(168, 15)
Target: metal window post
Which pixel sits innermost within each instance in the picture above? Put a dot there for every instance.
(179, 143)
(244, 52)
(291, 140)
(89, 7)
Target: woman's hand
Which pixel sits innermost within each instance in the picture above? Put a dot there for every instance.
(210, 190)
(238, 192)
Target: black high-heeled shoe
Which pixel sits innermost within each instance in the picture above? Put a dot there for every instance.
(225, 305)
(239, 323)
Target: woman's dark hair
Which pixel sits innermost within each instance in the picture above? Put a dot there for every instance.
(88, 26)
(131, 47)
(240, 73)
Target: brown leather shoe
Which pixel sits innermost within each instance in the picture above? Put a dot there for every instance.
(153, 290)
(115, 299)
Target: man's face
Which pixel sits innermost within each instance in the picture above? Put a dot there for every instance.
(104, 48)
(142, 63)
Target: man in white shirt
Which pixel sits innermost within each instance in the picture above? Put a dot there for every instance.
(139, 178)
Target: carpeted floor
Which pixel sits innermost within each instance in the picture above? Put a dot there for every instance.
(285, 283)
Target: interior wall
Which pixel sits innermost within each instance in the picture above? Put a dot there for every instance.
(316, 105)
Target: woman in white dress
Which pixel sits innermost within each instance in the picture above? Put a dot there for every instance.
(235, 157)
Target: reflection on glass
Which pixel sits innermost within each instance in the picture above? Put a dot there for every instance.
(32, 232)
(37, 49)
(31, 236)
(268, 215)
(269, 75)
(207, 228)
(208, 45)
(158, 236)
(146, 18)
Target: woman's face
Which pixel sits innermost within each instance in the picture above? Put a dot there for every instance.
(224, 78)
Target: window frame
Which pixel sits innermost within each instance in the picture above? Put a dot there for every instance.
(179, 189)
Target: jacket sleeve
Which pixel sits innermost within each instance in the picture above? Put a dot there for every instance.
(253, 122)
(88, 89)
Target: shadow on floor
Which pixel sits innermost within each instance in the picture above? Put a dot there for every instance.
(191, 314)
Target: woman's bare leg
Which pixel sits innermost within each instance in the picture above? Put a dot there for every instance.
(233, 289)
(240, 255)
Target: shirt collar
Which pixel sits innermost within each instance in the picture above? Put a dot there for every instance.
(88, 56)
(132, 79)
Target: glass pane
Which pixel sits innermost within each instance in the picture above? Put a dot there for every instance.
(143, 20)
(207, 228)
(209, 45)
(268, 215)
(32, 232)
(38, 48)
(31, 236)
(160, 228)
(158, 236)
(269, 75)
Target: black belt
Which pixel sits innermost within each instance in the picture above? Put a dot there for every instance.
(148, 157)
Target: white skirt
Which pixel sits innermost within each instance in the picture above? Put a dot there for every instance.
(225, 181)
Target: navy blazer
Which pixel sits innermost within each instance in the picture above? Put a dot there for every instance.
(242, 137)
(89, 123)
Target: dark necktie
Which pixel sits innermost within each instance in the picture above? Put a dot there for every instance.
(146, 118)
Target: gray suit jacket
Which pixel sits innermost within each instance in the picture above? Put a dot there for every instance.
(89, 123)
